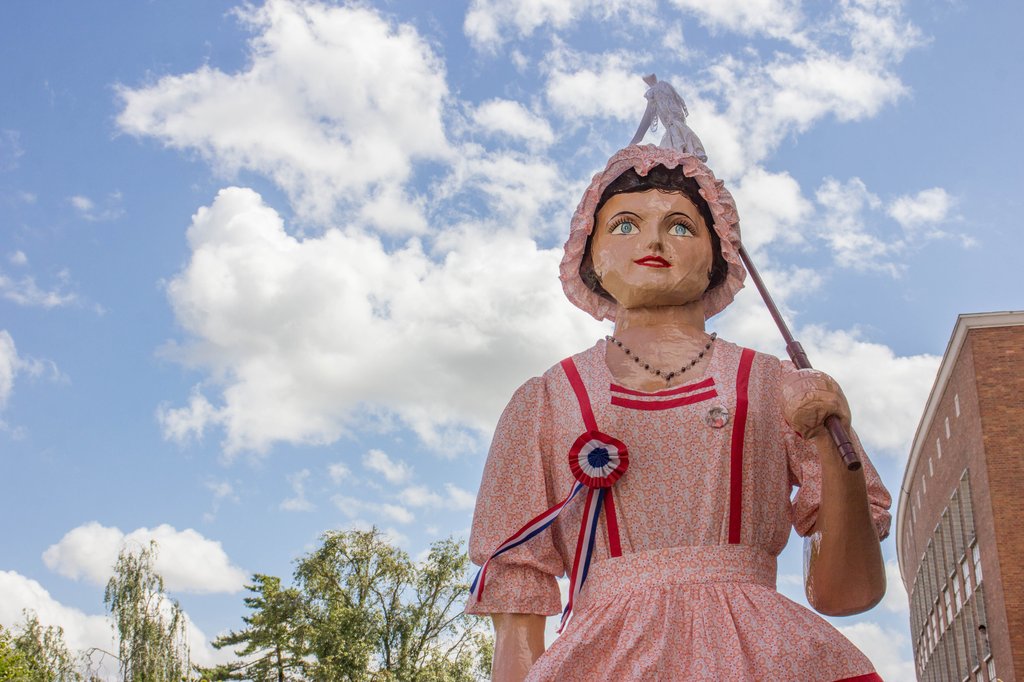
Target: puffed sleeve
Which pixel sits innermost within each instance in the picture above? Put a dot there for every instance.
(805, 475)
(514, 490)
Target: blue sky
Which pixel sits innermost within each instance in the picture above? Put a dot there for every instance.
(272, 269)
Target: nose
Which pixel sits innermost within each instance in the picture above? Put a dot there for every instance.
(655, 243)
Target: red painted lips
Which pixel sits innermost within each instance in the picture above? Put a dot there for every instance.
(653, 262)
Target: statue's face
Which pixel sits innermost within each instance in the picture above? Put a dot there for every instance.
(651, 249)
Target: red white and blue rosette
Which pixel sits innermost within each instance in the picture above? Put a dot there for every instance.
(597, 460)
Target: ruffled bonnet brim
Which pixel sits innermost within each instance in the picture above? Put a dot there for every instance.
(642, 158)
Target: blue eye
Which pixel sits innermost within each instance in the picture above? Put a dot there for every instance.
(680, 230)
(625, 227)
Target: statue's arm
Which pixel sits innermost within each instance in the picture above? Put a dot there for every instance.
(845, 572)
(645, 123)
(518, 642)
(844, 569)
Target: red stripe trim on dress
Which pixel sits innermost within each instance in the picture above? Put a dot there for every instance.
(573, 374)
(707, 383)
(739, 425)
(870, 677)
(663, 404)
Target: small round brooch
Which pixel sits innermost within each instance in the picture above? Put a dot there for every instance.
(717, 417)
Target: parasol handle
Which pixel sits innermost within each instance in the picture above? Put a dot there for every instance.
(796, 353)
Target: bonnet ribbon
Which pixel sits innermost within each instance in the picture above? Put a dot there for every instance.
(597, 461)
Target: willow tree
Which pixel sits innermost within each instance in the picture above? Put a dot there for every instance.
(151, 627)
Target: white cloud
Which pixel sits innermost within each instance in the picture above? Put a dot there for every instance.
(12, 365)
(609, 87)
(251, 291)
(392, 535)
(183, 424)
(421, 496)
(523, 192)
(187, 561)
(846, 207)
(10, 149)
(18, 258)
(9, 365)
(335, 105)
(514, 120)
(455, 498)
(488, 22)
(298, 501)
(221, 491)
(353, 508)
(459, 498)
(775, 18)
(394, 471)
(895, 599)
(926, 208)
(81, 203)
(88, 210)
(84, 631)
(338, 472)
(774, 207)
(25, 291)
(887, 392)
(81, 630)
(845, 231)
(887, 648)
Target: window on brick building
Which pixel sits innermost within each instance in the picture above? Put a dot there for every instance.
(948, 601)
(956, 403)
(938, 447)
(924, 485)
(947, 427)
(991, 668)
(976, 555)
(956, 594)
(965, 569)
(931, 469)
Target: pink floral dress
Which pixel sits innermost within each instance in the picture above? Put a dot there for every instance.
(703, 511)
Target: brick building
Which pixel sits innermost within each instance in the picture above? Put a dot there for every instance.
(960, 521)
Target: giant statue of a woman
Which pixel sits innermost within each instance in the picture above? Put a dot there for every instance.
(656, 469)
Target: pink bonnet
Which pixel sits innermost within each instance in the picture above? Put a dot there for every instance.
(642, 158)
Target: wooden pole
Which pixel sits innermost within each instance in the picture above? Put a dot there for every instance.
(799, 358)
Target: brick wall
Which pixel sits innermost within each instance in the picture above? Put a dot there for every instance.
(998, 355)
(987, 381)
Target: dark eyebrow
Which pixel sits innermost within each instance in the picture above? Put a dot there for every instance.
(680, 213)
(689, 219)
(635, 215)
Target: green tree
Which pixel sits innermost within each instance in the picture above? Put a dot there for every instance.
(34, 653)
(351, 589)
(14, 664)
(374, 615)
(273, 639)
(45, 648)
(362, 611)
(152, 640)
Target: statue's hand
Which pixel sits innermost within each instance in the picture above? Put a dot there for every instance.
(808, 398)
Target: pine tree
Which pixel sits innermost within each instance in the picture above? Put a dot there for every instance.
(273, 638)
